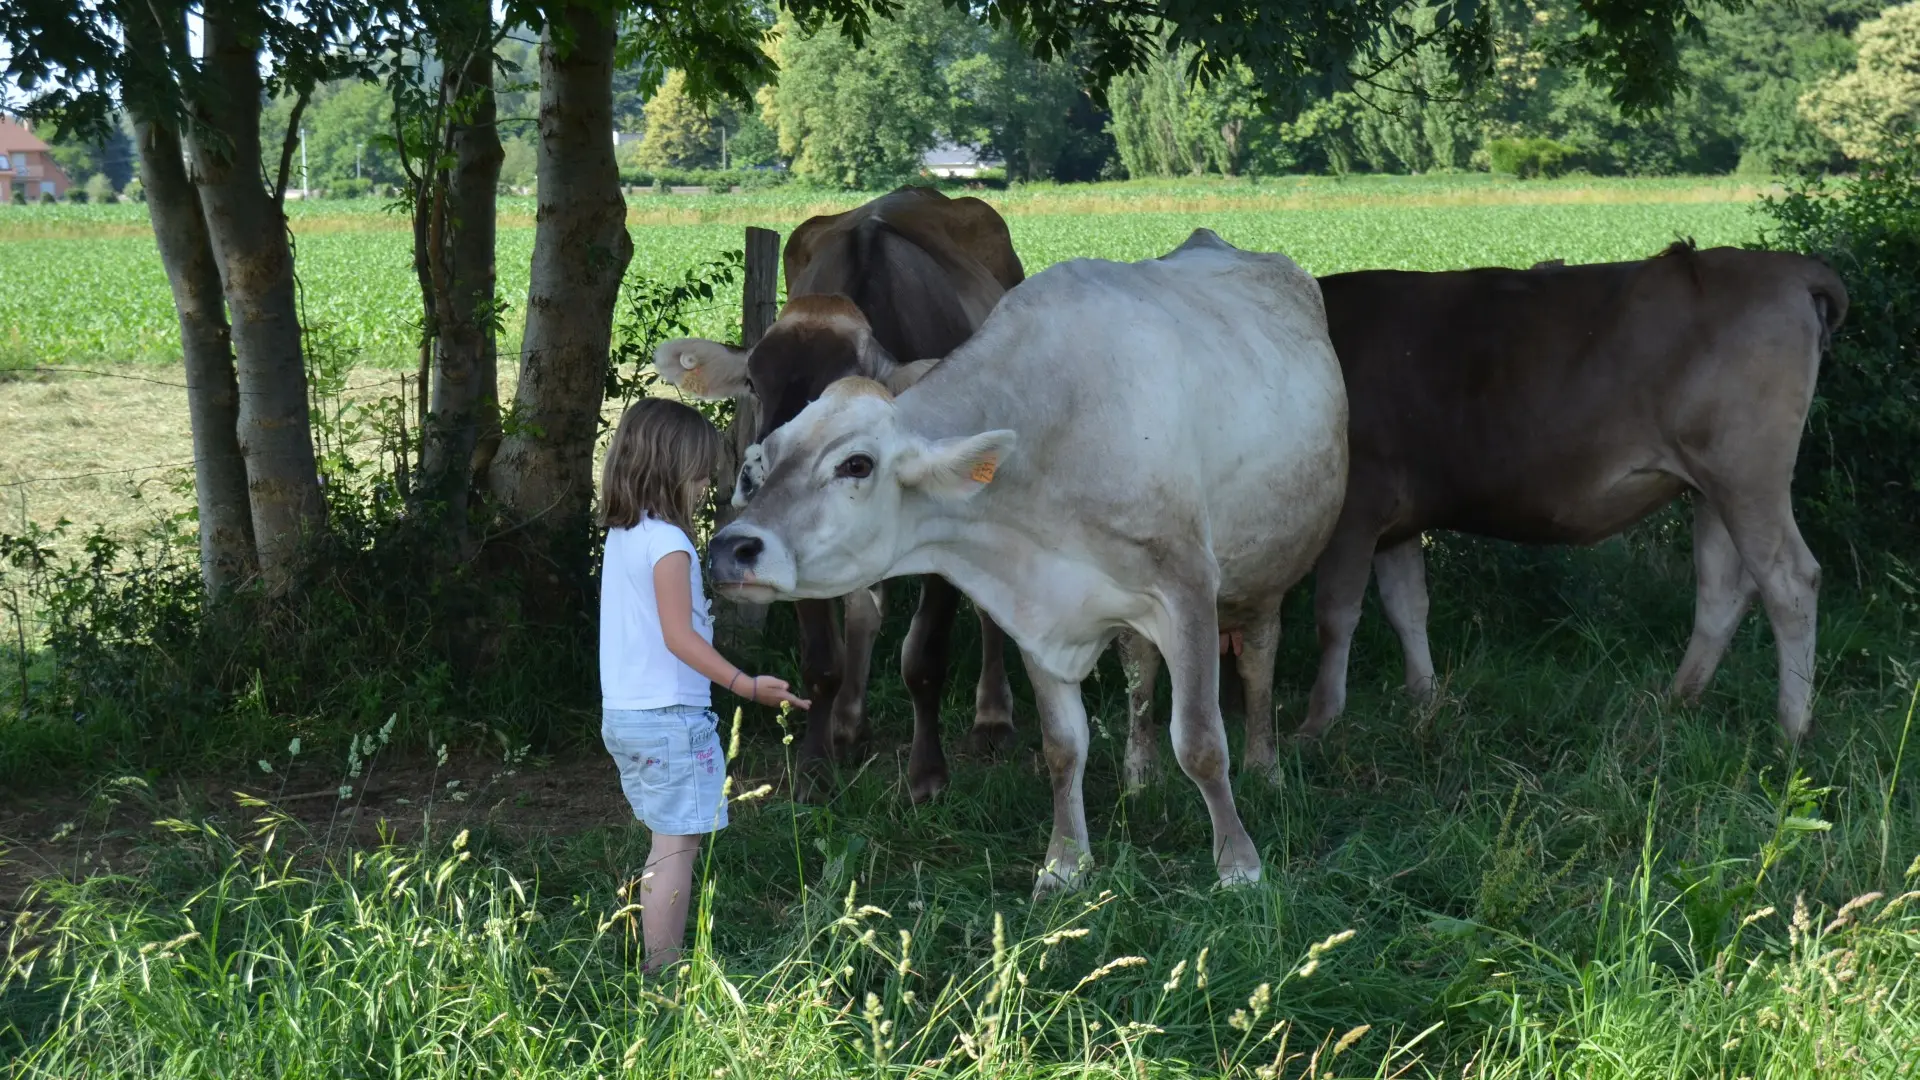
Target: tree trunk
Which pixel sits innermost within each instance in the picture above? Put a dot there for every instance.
(249, 235)
(213, 395)
(543, 473)
(465, 401)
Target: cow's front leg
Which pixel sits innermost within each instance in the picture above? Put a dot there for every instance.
(820, 668)
(1063, 736)
(923, 667)
(993, 697)
(862, 610)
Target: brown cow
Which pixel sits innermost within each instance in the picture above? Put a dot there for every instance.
(1562, 404)
(913, 273)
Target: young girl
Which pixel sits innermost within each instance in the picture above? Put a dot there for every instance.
(657, 656)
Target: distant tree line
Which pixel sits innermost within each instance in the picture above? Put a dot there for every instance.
(1777, 87)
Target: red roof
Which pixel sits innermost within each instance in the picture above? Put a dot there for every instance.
(14, 137)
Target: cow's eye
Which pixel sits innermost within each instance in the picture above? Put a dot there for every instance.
(857, 467)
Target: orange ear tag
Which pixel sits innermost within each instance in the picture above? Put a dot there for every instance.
(983, 472)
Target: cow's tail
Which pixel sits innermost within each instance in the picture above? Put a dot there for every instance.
(1829, 296)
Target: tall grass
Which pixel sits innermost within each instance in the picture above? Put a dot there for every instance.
(1551, 875)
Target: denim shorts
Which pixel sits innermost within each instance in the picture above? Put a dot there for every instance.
(673, 767)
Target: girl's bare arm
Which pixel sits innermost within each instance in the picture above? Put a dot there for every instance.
(674, 595)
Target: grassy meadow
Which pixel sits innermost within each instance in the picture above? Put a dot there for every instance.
(1554, 871)
(83, 284)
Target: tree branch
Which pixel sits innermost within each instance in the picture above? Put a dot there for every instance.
(287, 144)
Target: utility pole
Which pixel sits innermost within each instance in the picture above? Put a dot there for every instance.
(723, 148)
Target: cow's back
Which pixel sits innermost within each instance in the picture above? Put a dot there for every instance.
(1553, 404)
(1189, 399)
(924, 269)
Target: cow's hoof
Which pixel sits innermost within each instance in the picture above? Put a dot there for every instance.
(1794, 728)
(1143, 771)
(808, 789)
(1264, 774)
(1052, 883)
(850, 743)
(1262, 764)
(812, 780)
(1311, 731)
(923, 786)
(1238, 877)
(991, 739)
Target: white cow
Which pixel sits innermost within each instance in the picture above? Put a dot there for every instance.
(1157, 447)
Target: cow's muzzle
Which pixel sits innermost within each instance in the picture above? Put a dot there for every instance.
(749, 565)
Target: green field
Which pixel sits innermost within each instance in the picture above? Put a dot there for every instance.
(1554, 872)
(82, 284)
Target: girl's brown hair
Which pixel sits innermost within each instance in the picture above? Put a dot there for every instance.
(660, 451)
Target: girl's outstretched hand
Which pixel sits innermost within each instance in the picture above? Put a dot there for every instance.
(768, 690)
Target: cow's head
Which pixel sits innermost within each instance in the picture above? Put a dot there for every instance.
(843, 496)
(817, 341)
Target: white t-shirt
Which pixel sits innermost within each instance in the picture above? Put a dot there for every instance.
(636, 670)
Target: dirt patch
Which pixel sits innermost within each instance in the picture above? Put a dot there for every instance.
(110, 830)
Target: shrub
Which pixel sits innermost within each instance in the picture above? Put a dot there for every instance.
(76, 195)
(99, 188)
(1526, 158)
(719, 180)
(134, 191)
(1859, 468)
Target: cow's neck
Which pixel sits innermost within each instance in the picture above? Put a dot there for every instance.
(1060, 612)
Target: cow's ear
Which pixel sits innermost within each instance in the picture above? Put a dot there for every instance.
(957, 468)
(705, 369)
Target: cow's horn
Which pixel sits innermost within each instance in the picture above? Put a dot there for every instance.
(905, 375)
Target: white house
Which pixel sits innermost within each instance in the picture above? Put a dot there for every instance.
(952, 159)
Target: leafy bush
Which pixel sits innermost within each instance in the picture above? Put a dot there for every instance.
(1859, 466)
(76, 194)
(1526, 158)
(349, 187)
(720, 180)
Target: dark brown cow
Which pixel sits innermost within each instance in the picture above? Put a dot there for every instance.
(1562, 404)
(913, 273)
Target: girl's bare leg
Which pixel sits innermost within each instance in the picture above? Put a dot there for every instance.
(666, 890)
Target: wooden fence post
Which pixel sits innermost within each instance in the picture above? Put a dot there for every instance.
(759, 304)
